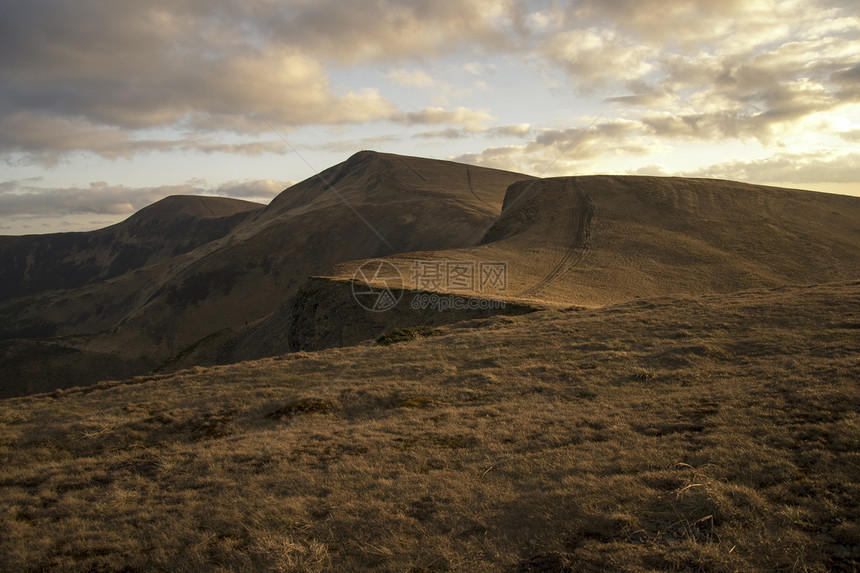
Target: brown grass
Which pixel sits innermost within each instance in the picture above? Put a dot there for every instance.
(697, 434)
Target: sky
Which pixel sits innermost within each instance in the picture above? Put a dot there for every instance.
(109, 105)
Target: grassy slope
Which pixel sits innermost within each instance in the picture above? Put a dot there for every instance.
(717, 433)
(602, 239)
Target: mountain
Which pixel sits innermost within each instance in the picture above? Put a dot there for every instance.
(372, 205)
(282, 278)
(587, 241)
(36, 263)
(601, 240)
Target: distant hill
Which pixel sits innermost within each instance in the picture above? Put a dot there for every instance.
(35, 263)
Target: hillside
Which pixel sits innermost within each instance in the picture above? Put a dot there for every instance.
(587, 241)
(601, 240)
(282, 277)
(371, 205)
(32, 264)
(701, 433)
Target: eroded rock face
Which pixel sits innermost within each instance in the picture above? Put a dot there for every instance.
(324, 313)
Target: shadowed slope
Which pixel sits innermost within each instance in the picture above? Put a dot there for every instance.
(35, 263)
(369, 206)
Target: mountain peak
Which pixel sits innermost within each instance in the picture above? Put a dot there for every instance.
(197, 206)
(386, 178)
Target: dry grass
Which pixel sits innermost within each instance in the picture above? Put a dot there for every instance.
(701, 434)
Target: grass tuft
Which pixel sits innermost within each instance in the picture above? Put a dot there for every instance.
(299, 407)
(407, 334)
(643, 374)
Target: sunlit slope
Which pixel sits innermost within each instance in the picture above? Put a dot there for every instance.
(603, 239)
(714, 433)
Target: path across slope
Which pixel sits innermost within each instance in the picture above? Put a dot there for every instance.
(580, 210)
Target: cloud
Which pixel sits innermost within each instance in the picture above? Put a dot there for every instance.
(450, 133)
(848, 80)
(251, 189)
(118, 79)
(209, 91)
(248, 148)
(519, 130)
(685, 24)
(562, 151)
(94, 75)
(577, 144)
(644, 95)
(470, 120)
(598, 56)
(766, 115)
(101, 77)
(347, 146)
(479, 68)
(712, 71)
(157, 63)
(652, 170)
(848, 76)
(507, 157)
(18, 198)
(98, 198)
(788, 168)
(414, 78)
(44, 138)
(392, 30)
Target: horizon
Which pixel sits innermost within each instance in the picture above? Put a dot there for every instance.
(108, 109)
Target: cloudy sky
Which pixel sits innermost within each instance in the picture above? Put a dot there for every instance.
(109, 105)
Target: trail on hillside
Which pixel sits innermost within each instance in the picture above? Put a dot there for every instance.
(580, 212)
(412, 169)
(472, 190)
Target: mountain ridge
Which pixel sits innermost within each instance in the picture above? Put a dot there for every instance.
(171, 226)
(381, 204)
(612, 238)
(569, 241)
